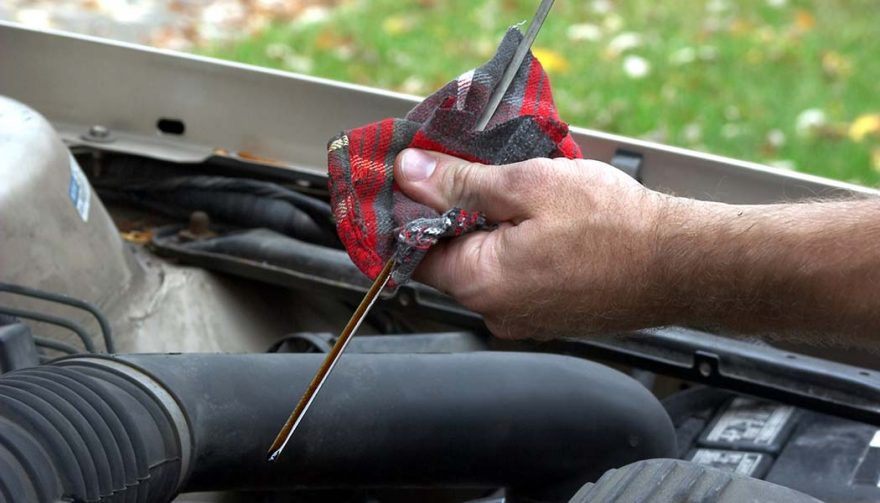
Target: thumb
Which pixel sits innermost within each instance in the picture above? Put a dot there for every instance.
(443, 182)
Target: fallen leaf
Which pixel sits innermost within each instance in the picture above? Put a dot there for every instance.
(601, 6)
(327, 39)
(804, 21)
(636, 67)
(773, 141)
(692, 133)
(835, 65)
(298, 63)
(731, 130)
(551, 60)
(776, 138)
(624, 42)
(741, 26)
(413, 85)
(313, 14)
(787, 164)
(396, 25)
(251, 156)
(277, 50)
(810, 120)
(683, 56)
(864, 125)
(584, 32)
(137, 236)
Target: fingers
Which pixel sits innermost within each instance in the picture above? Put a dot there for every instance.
(455, 266)
(443, 182)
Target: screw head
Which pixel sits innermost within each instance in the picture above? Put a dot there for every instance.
(99, 131)
(199, 222)
(705, 369)
(404, 299)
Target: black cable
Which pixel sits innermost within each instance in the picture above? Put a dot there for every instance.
(317, 209)
(56, 345)
(53, 320)
(69, 301)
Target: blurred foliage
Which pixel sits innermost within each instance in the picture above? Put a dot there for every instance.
(795, 84)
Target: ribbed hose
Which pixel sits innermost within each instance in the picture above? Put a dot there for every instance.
(89, 431)
(141, 428)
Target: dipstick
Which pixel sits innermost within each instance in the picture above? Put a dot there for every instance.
(330, 361)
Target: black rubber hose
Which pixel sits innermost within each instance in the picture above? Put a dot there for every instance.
(91, 428)
(63, 347)
(68, 301)
(269, 247)
(541, 424)
(317, 209)
(76, 328)
(237, 201)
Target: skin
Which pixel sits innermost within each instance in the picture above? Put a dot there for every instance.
(583, 249)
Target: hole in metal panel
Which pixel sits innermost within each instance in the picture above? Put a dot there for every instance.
(171, 126)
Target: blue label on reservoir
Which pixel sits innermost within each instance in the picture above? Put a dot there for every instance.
(79, 190)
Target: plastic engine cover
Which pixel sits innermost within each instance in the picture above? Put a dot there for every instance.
(54, 232)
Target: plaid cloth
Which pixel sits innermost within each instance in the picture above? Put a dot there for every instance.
(376, 221)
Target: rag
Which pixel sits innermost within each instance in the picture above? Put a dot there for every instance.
(376, 221)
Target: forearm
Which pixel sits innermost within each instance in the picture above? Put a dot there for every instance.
(583, 249)
(791, 270)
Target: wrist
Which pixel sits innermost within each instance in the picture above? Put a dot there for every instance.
(698, 261)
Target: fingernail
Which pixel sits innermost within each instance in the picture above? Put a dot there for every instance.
(417, 165)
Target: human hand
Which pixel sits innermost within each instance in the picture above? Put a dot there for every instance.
(573, 252)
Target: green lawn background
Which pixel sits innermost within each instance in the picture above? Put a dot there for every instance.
(795, 84)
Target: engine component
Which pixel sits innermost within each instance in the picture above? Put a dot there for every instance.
(673, 481)
(17, 349)
(89, 432)
(55, 233)
(241, 202)
(92, 427)
(106, 332)
(826, 457)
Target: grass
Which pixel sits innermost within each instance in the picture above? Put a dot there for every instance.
(790, 83)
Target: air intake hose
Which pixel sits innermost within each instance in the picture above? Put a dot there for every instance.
(89, 429)
(145, 427)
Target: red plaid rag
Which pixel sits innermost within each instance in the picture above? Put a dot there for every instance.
(376, 221)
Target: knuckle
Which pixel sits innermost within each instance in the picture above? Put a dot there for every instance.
(536, 180)
(525, 177)
(592, 164)
(473, 262)
(464, 183)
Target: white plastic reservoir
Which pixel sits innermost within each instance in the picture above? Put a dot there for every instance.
(54, 232)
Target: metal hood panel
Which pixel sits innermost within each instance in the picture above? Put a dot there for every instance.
(283, 118)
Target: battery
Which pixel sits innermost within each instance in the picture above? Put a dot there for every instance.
(750, 464)
(749, 424)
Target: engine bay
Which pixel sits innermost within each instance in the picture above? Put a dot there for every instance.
(160, 313)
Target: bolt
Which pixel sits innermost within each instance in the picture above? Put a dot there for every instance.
(634, 440)
(199, 223)
(404, 299)
(99, 131)
(705, 369)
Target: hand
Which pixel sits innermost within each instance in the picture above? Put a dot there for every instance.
(573, 253)
(581, 248)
